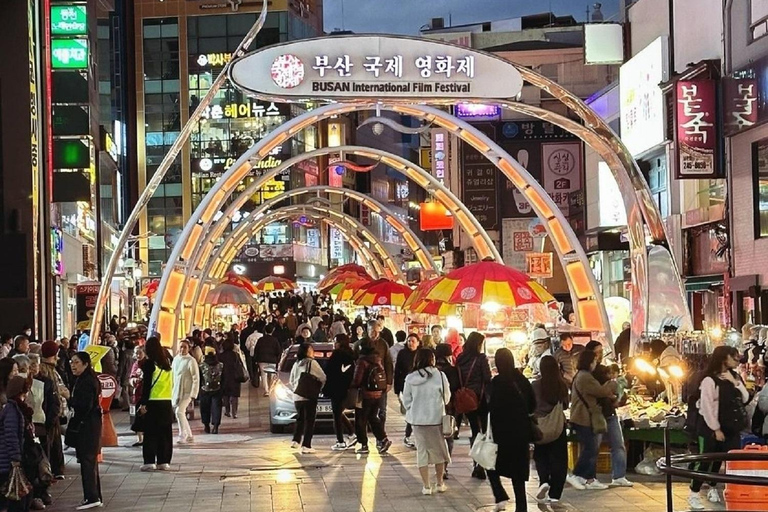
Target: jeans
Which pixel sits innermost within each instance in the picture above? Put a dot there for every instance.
(552, 464)
(305, 421)
(368, 414)
(230, 403)
(586, 466)
(708, 444)
(158, 433)
(618, 449)
(210, 407)
(499, 494)
(341, 424)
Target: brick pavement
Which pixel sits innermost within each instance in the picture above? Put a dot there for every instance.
(246, 469)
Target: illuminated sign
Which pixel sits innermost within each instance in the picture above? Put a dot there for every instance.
(57, 251)
(696, 128)
(539, 264)
(69, 20)
(439, 152)
(69, 53)
(642, 102)
(237, 110)
(478, 111)
(110, 147)
(337, 244)
(369, 66)
(213, 59)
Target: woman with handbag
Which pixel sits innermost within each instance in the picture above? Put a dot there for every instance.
(136, 381)
(340, 369)
(84, 429)
(16, 489)
(551, 453)
(155, 407)
(306, 380)
(425, 394)
(511, 407)
(232, 378)
(474, 379)
(588, 421)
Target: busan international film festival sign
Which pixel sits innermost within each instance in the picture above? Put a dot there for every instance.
(374, 67)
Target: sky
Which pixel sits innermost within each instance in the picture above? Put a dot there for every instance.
(407, 16)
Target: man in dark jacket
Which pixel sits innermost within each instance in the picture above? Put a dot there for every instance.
(385, 333)
(20, 345)
(567, 356)
(403, 367)
(382, 350)
(282, 333)
(267, 354)
(368, 413)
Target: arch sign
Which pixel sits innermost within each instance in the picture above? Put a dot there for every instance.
(365, 66)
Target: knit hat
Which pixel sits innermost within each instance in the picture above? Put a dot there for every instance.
(16, 386)
(50, 349)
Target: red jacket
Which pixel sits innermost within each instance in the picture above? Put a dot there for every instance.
(361, 373)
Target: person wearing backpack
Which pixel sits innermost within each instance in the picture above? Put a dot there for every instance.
(211, 370)
(371, 379)
(551, 458)
(470, 399)
(722, 416)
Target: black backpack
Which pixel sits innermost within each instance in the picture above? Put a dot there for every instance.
(376, 379)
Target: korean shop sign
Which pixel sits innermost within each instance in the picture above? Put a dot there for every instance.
(366, 66)
(696, 128)
(69, 53)
(69, 20)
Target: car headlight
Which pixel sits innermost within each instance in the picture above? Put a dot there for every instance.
(282, 392)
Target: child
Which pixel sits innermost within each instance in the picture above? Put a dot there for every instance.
(614, 372)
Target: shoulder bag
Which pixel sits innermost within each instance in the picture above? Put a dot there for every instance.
(466, 399)
(536, 434)
(140, 420)
(309, 386)
(552, 424)
(449, 422)
(596, 418)
(484, 451)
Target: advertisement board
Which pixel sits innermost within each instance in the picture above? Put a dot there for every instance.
(696, 120)
(439, 152)
(434, 216)
(337, 244)
(85, 296)
(539, 264)
(561, 172)
(610, 205)
(69, 53)
(516, 241)
(69, 20)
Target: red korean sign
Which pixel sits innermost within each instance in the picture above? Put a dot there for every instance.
(696, 123)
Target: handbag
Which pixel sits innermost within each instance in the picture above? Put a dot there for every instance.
(241, 372)
(309, 386)
(596, 418)
(466, 400)
(448, 421)
(552, 424)
(17, 486)
(536, 434)
(351, 400)
(484, 451)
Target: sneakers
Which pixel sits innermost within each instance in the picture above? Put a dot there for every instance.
(163, 467)
(385, 446)
(621, 482)
(351, 440)
(541, 494)
(89, 504)
(190, 439)
(37, 504)
(294, 445)
(339, 447)
(694, 501)
(576, 482)
(407, 442)
(441, 487)
(305, 450)
(426, 491)
(181, 440)
(363, 450)
(595, 485)
(502, 505)
(148, 467)
(713, 496)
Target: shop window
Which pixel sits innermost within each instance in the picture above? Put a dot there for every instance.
(760, 175)
(758, 18)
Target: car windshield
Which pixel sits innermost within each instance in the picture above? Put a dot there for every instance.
(290, 360)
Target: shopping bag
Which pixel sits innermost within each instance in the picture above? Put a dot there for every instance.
(17, 486)
(484, 450)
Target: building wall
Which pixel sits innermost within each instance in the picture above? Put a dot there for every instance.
(649, 19)
(697, 38)
(742, 50)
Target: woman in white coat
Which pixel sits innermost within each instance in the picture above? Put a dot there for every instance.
(425, 394)
(186, 385)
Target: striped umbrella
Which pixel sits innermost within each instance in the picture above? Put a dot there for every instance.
(228, 294)
(345, 291)
(238, 280)
(351, 267)
(434, 307)
(274, 283)
(486, 283)
(382, 292)
(329, 282)
(419, 292)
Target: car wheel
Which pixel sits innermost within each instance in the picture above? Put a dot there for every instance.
(276, 429)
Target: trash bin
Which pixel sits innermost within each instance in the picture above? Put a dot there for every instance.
(747, 497)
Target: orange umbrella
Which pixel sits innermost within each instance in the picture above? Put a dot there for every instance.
(345, 291)
(327, 284)
(274, 283)
(488, 283)
(382, 292)
(434, 307)
(150, 289)
(351, 267)
(228, 294)
(242, 282)
(419, 292)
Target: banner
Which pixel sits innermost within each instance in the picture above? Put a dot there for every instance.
(696, 129)
(516, 241)
(480, 183)
(561, 172)
(86, 296)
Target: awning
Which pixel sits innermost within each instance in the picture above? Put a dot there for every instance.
(703, 283)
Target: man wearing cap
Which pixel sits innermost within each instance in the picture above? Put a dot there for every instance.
(53, 448)
(540, 347)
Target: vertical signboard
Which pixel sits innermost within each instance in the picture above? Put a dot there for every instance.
(539, 264)
(86, 301)
(696, 129)
(480, 180)
(561, 172)
(337, 244)
(439, 152)
(34, 150)
(516, 242)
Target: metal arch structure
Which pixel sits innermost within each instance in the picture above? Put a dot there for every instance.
(585, 294)
(347, 225)
(370, 261)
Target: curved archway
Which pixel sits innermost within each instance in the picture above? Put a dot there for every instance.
(583, 288)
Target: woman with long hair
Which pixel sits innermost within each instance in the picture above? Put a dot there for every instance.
(87, 423)
(8, 369)
(306, 407)
(511, 403)
(551, 458)
(211, 374)
(155, 405)
(136, 382)
(425, 394)
(339, 370)
(722, 416)
(475, 374)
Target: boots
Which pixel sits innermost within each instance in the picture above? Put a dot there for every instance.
(215, 429)
(207, 428)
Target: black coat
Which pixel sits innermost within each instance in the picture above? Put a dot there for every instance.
(403, 366)
(479, 378)
(268, 350)
(511, 402)
(85, 402)
(229, 384)
(339, 381)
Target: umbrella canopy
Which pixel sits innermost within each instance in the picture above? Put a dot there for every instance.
(274, 283)
(419, 293)
(150, 289)
(488, 283)
(228, 294)
(351, 267)
(327, 284)
(345, 291)
(434, 307)
(240, 281)
(382, 292)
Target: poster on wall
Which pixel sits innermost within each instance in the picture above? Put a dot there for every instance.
(561, 172)
(696, 122)
(516, 241)
(539, 264)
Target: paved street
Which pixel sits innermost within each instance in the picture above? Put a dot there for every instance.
(247, 469)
